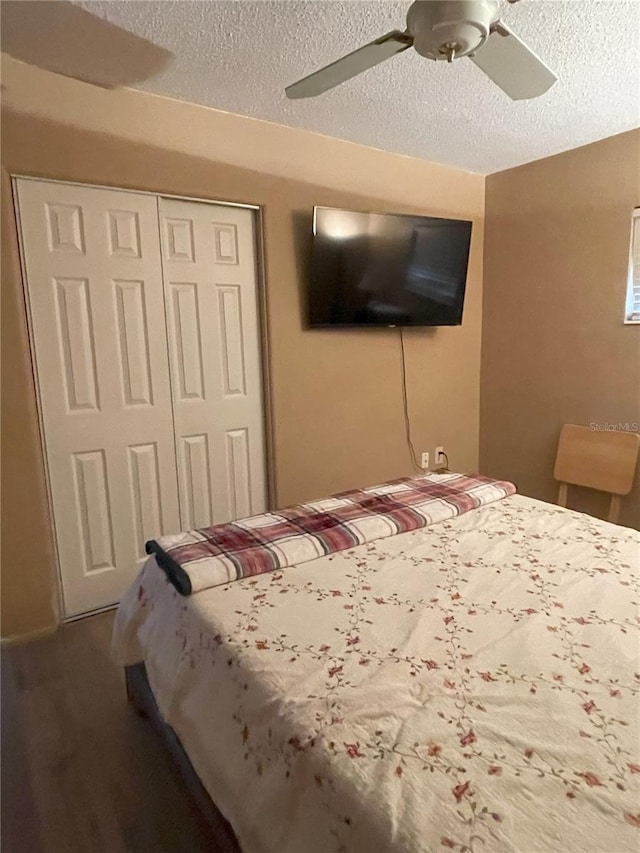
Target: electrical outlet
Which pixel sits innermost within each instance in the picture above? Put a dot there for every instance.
(440, 457)
(424, 463)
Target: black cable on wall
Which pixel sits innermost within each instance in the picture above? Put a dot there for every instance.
(405, 405)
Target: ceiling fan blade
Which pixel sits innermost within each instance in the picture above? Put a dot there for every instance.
(513, 66)
(65, 38)
(350, 65)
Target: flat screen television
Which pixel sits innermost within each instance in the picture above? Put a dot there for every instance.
(381, 269)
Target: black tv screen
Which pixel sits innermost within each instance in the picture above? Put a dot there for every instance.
(373, 269)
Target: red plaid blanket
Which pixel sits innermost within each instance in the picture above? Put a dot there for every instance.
(199, 559)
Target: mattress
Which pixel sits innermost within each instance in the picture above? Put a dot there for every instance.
(472, 685)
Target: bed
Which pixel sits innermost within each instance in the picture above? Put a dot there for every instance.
(469, 685)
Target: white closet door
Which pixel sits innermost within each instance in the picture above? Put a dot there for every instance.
(95, 289)
(210, 278)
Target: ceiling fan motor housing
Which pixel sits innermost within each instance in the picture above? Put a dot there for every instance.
(446, 29)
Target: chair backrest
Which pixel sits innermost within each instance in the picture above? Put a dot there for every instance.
(599, 460)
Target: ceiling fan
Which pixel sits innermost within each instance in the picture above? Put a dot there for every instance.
(446, 29)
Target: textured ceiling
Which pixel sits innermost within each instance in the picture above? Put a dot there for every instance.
(238, 56)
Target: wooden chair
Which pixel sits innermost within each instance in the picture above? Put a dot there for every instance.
(605, 461)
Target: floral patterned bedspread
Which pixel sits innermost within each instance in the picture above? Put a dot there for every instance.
(471, 686)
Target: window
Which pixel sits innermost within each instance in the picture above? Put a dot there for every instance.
(632, 309)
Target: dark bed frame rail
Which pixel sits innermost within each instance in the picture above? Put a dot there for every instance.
(143, 701)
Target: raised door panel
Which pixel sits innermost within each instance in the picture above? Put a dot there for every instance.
(232, 343)
(209, 262)
(195, 470)
(225, 243)
(178, 240)
(98, 329)
(76, 343)
(124, 233)
(239, 472)
(133, 342)
(146, 493)
(93, 509)
(65, 228)
(186, 340)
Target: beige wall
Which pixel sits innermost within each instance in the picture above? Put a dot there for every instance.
(555, 264)
(336, 395)
(554, 347)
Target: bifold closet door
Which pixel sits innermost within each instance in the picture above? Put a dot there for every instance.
(209, 263)
(94, 281)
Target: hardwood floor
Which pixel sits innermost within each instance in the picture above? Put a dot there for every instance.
(81, 772)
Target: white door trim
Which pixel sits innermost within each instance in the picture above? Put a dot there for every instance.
(36, 384)
(205, 199)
